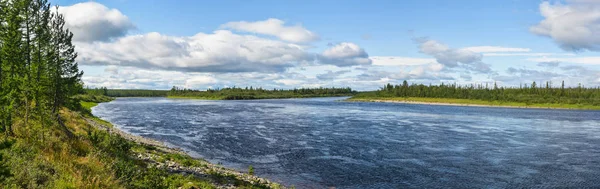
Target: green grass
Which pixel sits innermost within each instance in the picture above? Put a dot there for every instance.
(88, 105)
(44, 156)
(93, 98)
(478, 102)
(87, 112)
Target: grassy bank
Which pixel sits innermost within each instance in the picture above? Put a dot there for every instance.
(472, 102)
(89, 153)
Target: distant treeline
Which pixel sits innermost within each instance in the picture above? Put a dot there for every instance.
(530, 94)
(126, 92)
(235, 93)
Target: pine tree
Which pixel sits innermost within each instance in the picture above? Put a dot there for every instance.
(12, 61)
(38, 71)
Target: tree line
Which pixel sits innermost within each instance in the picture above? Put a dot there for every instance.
(38, 71)
(126, 92)
(530, 93)
(237, 93)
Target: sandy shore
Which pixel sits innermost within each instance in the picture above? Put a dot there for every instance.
(455, 104)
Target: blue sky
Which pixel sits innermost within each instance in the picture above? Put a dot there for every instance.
(287, 44)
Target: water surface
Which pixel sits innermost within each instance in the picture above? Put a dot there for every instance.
(322, 142)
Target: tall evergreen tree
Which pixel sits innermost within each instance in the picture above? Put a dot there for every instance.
(38, 71)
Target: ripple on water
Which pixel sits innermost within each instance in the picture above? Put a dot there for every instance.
(319, 143)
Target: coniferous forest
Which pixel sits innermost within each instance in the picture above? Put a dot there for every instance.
(532, 93)
(49, 138)
(126, 92)
(38, 74)
(247, 93)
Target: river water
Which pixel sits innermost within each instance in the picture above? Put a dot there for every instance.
(325, 142)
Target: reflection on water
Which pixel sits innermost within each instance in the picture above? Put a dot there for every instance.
(322, 142)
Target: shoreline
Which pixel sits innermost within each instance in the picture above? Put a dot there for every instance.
(204, 170)
(407, 101)
(224, 99)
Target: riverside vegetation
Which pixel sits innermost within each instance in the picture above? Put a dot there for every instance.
(235, 93)
(49, 137)
(545, 96)
(103, 91)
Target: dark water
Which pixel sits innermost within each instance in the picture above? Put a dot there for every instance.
(321, 142)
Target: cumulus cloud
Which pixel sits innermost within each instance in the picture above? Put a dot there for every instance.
(345, 54)
(453, 57)
(531, 74)
(221, 51)
(135, 78)
(91, 21)
(274, 27)
(548, 64)
(292, 82)
(528, 54)
(400, 61)
(330, 75)
(427, 72)
(574, 26)
(202, 80)
(493, 49)
(592, 60)
(572, 75)
(112, 69)
(517, 76)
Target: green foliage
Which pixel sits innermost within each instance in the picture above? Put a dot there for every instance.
(4, 171)
(45, 143)
(250, 170)
(92, 98)
(258, 93)
(126, 92)
(527, 95)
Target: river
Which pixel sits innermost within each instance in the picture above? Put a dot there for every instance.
(325, 142)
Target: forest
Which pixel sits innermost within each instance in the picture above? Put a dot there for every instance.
(529, 94)
(47, 139)
(235, 93)
(38, 72)
(126, 92)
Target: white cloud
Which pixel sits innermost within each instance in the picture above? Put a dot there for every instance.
(291, 82)
(447, 56)
(528, 54)
(453, 58)
(224, 58)
(198, 81)
(274, 27)
(491, 49)
(112, 69)
(574, 26)
(594, 60)
(221, 51)
(330, 75)
(345, 54)
(400, 61)
(91, 21)
(135, 78)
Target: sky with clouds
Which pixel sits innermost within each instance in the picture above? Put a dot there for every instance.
(364, 45)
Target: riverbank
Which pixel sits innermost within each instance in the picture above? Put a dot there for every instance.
(253, 97)
(177, 161)
(469, 102)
